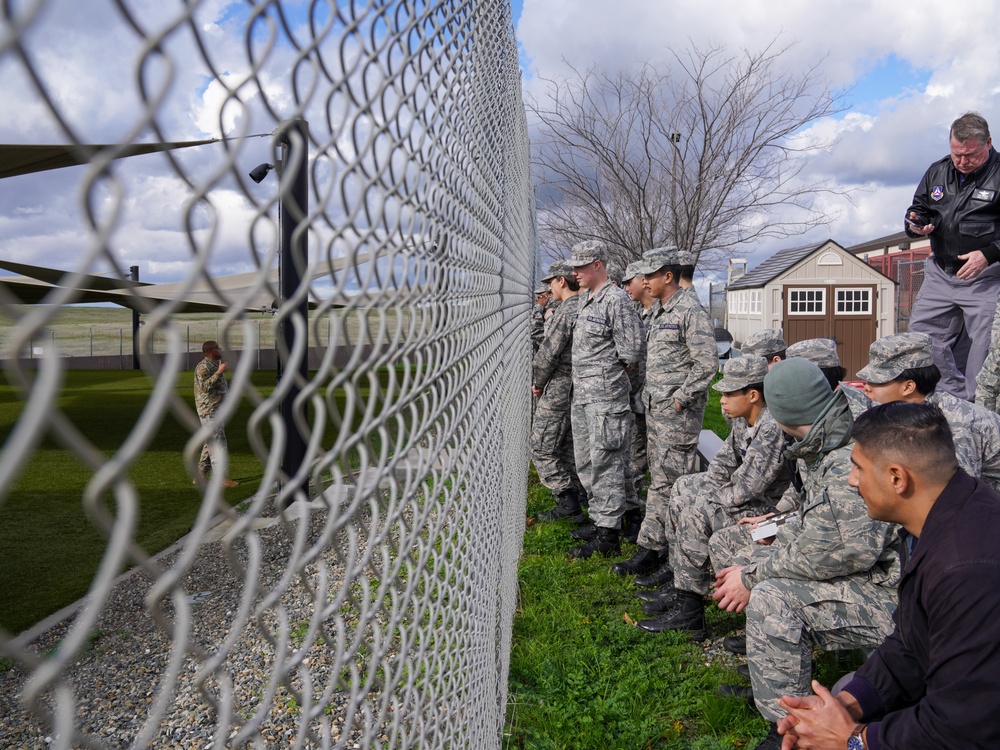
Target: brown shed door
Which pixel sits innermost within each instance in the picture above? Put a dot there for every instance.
(846, 314)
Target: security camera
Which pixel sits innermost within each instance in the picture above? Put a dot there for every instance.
(259, 172)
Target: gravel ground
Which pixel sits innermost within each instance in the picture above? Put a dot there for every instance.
(117, 681)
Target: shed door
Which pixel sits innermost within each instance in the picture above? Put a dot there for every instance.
(846, 314)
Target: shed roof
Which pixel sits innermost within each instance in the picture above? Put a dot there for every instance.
(776, 265)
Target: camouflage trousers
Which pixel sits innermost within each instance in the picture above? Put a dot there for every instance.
(735, 546)
(552, 448)
(785, 617)
(638, 457)
(214, 452)
(696, 518)
(672, 444)
(602, 437)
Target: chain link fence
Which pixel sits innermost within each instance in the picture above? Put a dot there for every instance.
(366, 598)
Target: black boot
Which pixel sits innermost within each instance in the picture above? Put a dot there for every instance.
(688, 616)
(743, 692)
(643, 561)
(666, 601)
(605, 542)
(585, 533)
(567, 506)
(632, 523)
(658, 577)
(666, 590)
(735, 644)
(772, 741)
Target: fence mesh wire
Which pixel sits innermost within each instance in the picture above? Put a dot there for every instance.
(376, 612)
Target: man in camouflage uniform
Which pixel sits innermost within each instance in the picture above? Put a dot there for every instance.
(552, 385)
(681, 360)
(632, 284)
(901, 368)
(828, 579)
(823, 354)
(210, 388)
(607, 339)
(746, 478)
(543, 297)
(767, 343)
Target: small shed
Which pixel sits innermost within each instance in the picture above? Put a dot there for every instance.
(815, 291)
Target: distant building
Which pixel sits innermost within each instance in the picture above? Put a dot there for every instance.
(815, 291)
(901, 258)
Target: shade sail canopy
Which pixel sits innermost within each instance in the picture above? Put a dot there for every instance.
(19, 159)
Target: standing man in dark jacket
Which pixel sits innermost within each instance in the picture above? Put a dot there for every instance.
(933, 682)
(957, 204)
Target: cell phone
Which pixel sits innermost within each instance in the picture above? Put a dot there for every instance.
(914, 224)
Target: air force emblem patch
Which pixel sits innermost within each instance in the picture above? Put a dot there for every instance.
(937, 192)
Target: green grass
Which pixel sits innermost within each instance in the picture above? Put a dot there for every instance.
(51, 545)
(582, 676)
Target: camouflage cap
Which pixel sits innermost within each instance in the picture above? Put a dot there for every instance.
(764, 343)
(614, 271)
(543, 289)
(890, 356)
(821, 352)
(632, 270)
(586, 252)
(739, 372)
(556, 269)
(655, 259)
(685, 258)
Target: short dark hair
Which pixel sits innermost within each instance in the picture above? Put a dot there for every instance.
(968, 126)
(772, 355)
(687, 273)
(674, 269)
(924, 378)
(916, 435)
(759, 387)
(833, 375)
(573, 283)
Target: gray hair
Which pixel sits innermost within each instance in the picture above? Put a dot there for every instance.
(968, 126)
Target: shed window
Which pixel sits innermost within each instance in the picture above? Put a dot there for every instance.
(807, 301)
(854, 301)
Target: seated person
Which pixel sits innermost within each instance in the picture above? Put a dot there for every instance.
(823, 354)
(828, 579)
(901, 368)
(746, 477)
(766, 343)
(933, 682)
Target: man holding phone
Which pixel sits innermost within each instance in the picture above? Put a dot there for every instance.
(957, 205)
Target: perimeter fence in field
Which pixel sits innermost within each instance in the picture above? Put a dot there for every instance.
(361, 598)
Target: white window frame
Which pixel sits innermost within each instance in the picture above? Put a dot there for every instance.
(741, 303)
(756, 298)
(733, 296)
(867, 291)
(821, 300)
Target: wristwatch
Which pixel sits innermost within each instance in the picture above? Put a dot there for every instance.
(854, 742)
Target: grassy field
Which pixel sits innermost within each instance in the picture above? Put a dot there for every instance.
(51, 547)
(583, 677)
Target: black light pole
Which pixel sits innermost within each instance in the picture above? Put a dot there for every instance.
(134, 275)
(294, 259)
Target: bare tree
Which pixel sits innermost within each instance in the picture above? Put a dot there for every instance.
(703, 155)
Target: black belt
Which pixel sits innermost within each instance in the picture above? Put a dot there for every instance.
(949, 265)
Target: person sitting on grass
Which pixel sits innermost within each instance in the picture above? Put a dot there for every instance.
(747, 477)
(829, 578)
(933, 681)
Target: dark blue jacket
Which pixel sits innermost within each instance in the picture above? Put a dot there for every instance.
(935, 682)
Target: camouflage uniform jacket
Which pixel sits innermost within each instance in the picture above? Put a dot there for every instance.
(681, 356)
(835, 536)
(637, 373)
(976, 431)
(607, 339)
(210, 387)
(553, 361)
(539, 314)
(749, 465)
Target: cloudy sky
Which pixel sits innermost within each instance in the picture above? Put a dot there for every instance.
(908, 69)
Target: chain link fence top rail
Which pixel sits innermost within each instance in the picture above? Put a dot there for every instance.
(374, 610)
